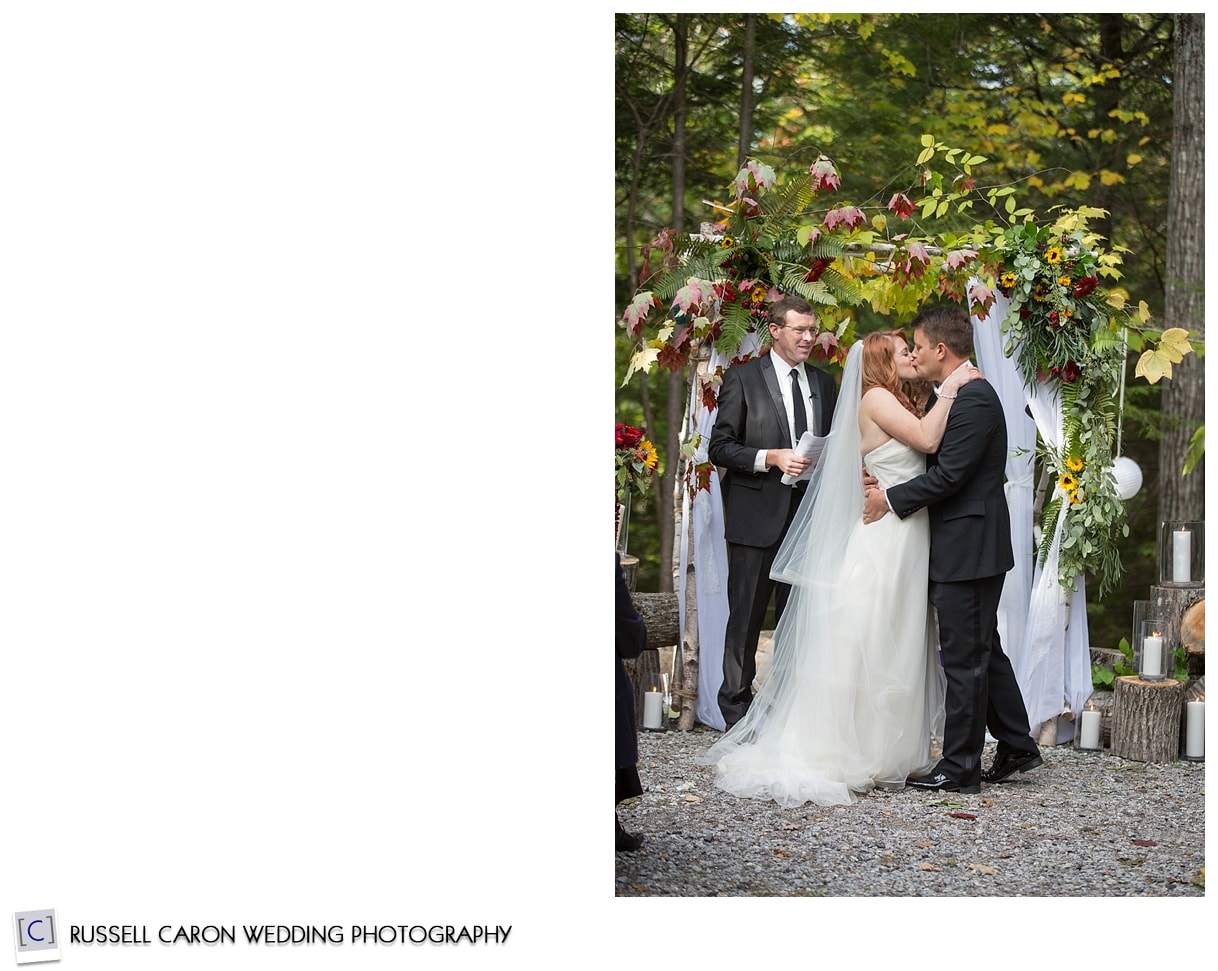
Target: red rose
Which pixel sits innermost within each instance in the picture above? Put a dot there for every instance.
(1085, 285)
(816, 269)
(627, 435)
(1071, 372)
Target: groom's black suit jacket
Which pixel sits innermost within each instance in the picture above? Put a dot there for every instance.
(970, 526)
(751, 416)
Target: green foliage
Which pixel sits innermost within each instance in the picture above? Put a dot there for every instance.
(1179, 656)
(1196, 451)
(1104, 677)
(1124, 667)
(1071, 106)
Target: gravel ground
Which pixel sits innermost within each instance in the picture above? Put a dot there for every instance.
(1084, 824)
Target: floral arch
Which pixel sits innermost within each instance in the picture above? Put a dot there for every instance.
(1052, 328)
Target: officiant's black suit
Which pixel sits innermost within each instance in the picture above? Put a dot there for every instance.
(757, 507)
(970, 554)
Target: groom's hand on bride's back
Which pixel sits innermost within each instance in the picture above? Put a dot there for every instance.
(869, 481)
(875, 505)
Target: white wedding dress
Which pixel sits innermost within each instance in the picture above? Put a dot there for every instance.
(854, 694)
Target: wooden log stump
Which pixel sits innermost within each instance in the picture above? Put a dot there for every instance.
(1169, 601)
(1146, 719)
(1192, 637)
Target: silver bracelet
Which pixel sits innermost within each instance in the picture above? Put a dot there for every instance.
(949, 397)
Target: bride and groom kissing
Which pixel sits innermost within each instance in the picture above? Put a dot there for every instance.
(856, 689)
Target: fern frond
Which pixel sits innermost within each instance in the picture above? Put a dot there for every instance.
(847, 289)
(735, 324)
(813, 291)
(787, 200)
(1048, 523)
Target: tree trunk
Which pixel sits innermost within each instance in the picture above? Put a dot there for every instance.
(676, 380)
(1183, 497)
(685, 664)
(1146, 719)
(746, 91)
(1107, 98)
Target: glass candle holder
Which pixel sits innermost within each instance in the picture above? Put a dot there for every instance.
(666, 691)
(1182, 553)
(1142, 609)
(1150, 654)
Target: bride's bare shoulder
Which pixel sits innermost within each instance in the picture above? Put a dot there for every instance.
(876, 397)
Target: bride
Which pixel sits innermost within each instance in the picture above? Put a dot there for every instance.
(855, 690)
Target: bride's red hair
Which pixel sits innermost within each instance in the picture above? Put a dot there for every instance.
(880, 367)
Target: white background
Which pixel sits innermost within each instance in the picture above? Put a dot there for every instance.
(292, 631)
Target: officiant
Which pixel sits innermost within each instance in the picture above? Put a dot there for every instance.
(764, 407)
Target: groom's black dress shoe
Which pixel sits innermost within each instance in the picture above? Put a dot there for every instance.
(938, 782)
(1008, 763)
(626, 842)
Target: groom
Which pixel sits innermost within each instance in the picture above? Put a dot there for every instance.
(970, 554)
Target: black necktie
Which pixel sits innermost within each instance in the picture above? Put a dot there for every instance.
(801, 414)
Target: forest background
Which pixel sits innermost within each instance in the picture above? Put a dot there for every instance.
(1071, 109)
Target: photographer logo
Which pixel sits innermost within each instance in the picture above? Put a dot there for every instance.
(35, 936)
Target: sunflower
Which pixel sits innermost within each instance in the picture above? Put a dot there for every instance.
(758, 294)
(1076, 498)
(1068, 483)
(1074, 463)
(1064, 279)
(1053, 254)
(1008, 281)
(651, 458)
(727, 242)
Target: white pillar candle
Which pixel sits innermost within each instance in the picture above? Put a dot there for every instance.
(1091, 729)
(652, 702)
(1152, 656)
(1181, 556)
(1194, 737)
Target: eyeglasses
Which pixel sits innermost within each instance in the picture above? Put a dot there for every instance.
(802, 332)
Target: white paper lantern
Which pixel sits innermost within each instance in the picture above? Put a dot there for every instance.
(1128, 476)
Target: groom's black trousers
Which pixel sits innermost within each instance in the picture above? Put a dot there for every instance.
(981, 687)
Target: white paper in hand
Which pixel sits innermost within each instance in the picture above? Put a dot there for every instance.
(810, 446)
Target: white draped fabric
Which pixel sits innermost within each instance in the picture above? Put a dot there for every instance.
(710, 559)
(1054, 667)
(1042, 624)
(1002, 374)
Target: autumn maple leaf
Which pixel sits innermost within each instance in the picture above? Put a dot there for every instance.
(754, 175)
(637, 312)
(824, 175)
(692, 295)
(960, 257)
(901, 205)
(671, 358)
(848, 216)
(981, 298)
